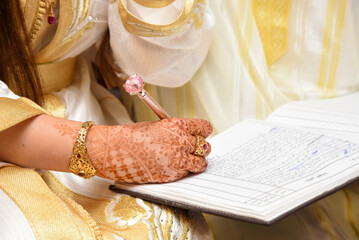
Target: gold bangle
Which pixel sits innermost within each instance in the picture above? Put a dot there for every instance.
(80, 165)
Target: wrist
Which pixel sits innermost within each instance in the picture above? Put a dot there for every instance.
(103, 149)
(97, 146)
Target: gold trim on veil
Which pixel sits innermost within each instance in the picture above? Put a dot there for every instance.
(190, 11)
(154, 3)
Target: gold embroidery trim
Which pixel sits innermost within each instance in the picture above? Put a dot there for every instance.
(94, 207)
(192, 11)
(34, 11)
(78, 34)
(76, 16)
(39, 19)
(154, 3)
(84, 214)
(185, 227)
(97, 210)
(84, 13)
(85, 10)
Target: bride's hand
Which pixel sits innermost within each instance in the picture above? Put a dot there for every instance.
(148, 152)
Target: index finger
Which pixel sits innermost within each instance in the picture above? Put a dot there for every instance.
(196, 126)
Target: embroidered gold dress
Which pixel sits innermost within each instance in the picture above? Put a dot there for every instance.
(165, 41)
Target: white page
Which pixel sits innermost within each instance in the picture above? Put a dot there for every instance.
(282, 160)
(346, 104)
(336, 117)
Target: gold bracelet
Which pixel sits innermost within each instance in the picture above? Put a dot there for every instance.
(80, 165)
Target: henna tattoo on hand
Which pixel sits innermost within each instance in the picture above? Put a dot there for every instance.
(148, 151)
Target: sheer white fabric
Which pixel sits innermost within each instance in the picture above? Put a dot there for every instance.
(168, 61)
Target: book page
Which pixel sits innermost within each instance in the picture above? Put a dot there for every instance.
(336, 117)
(281, 160)
(259, 169)
(346, 104)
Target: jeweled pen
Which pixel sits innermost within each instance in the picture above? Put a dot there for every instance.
(135, 85)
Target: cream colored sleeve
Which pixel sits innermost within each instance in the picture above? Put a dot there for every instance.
(165, 42)
(15, 109)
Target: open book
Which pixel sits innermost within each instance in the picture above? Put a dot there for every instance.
(261, 171)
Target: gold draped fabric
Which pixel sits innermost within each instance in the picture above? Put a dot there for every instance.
(14, 111)
(54, 78)
(54, 211)
(41, 205)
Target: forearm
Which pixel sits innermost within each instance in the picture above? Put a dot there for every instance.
(43, 142)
